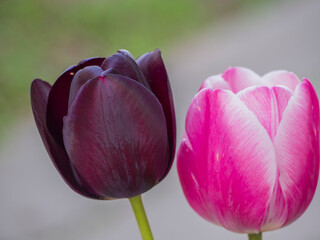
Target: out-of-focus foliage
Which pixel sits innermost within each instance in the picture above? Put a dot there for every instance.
(40, 38)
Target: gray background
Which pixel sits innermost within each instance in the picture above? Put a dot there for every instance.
(35, 203)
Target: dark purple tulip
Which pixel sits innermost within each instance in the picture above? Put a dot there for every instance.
(108, 124)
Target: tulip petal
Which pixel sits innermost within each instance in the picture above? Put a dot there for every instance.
(81, 77)
(277, 211)
(240, 78)
(153, 68)
(215, 82)
(187, 167)
(115, 134)
(123, 63)
(39, 96)
(235, 160)
(297, 150)
(126, 52)
(284, 78)
(268, 104)
(58, 98)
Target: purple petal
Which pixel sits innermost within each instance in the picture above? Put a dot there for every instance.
(115, 135)
(153, 68)
(126, 52)
(123, 63)
(39, 96)
(58, 98)
(81, 77)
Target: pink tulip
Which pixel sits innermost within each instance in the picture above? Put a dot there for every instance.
(249, 158)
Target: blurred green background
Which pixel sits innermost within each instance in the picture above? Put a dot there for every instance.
(40, 38)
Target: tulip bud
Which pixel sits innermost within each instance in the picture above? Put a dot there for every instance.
(108, 124)
(249, 158)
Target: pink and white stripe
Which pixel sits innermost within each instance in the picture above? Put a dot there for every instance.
(249, 158)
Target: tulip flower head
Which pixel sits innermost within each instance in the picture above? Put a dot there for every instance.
(108, 124)
(249, 158)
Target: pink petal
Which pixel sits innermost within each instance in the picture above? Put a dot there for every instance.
(233, 161)
(277, 211)
(215, 82)
(284, 78)
(240, 78)
(297, 150)
(267, 104)
(188, 170)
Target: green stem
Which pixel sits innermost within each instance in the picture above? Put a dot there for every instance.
(255, 236)
(138, 209)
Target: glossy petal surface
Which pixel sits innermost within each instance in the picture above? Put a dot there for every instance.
(154, 70)
(39, 96)
(234, 161)
(113, 108)
(58, 98)
(80, 78)
(120, 146)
